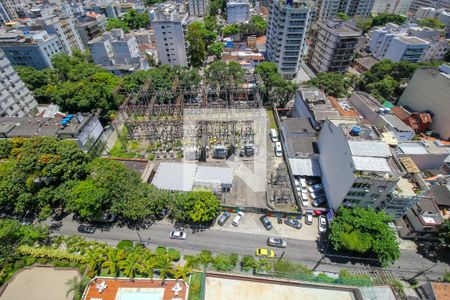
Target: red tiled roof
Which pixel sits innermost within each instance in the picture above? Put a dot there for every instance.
(441, 290)
(113, 286)
(401, 112)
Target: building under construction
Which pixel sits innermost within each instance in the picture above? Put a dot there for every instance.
(159, 120)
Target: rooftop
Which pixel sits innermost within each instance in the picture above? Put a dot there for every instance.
(305, 167)
(302, 146)
(369, 148)
(298, 125)
(420, 147)
(367, 61)
(140, 288)
(412, 40)
(441, 194)
(175, 176)
(340, 28)
(396, 123)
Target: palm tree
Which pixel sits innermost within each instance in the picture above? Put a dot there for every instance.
(165, 267)
(182, 272)
(94, 257)
(148, 266)
(77, 287)
(113, 257)
(130, 265)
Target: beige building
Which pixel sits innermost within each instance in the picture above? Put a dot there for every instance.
(429, 90)
(333, 46)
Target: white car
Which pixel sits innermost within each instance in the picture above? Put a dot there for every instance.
(309, 217)
(237, 219)
(305, 201)
(322, 223)
(177, 235)
(303, 183)
(317, 194)
(297, 185)
(315, 187)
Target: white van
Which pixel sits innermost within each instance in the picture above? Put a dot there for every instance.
(278, 149)
(274, 135)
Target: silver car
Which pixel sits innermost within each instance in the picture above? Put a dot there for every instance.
(276, 242)
(177, 235)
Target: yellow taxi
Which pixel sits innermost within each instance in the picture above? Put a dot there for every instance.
(262, 252)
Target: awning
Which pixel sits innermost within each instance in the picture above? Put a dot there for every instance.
(305, 167)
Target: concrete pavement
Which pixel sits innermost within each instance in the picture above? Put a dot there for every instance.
(243, 243)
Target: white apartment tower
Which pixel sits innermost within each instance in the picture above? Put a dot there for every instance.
(169, 25)
(15, 98)
(198, 8)
(289, 22)
(238, 11)
(328, 9)
(397, 7)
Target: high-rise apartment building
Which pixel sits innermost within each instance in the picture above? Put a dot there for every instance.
(64, 28)
(289, 23)
(15, 98)
(333, 46)
(11, 10)
(328, 9)
(415, 4)
(198, 8)
(33, 49)
(169, 23)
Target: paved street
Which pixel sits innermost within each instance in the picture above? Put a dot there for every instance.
(244, 243)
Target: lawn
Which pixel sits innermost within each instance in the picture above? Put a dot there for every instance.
(195, 286)
(271, 118)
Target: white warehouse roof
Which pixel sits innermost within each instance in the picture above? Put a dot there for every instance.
(305, 167)
(207, 175)
(376, 164)
(175, 176)
(369, 148)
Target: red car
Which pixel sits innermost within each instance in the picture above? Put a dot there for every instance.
(317, 212)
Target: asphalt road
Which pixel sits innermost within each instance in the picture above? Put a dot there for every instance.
(218, 241)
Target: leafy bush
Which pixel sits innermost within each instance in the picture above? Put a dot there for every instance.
(160, 250)
(248, 263)
(174, 254)
(125, 245)
(225, 262)
(286, 266)
(49, 253)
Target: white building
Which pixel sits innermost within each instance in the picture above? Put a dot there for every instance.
(429, 90)
(169, 25)
(393, 42)
(238, 11)
(328, 9)
(430, 12)
(398, 7)
(286, 33)
(415, 4)
(15, 98)
(365, 173)
(198, 8)
(64, 28)
(118, 52)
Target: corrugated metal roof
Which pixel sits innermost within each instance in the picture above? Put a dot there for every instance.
(412, 148)
(396, 123)
(376, 164)
(175, 176)
(369, 148)
(214, 175)
(305, 167)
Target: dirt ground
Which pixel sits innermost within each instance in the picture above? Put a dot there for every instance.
(40, 283)
(230, 289)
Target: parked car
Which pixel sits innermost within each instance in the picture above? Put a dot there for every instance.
(293, 223)
(263, 252)
(305, 199)
(265, 221)
(297, 185)
(278, 151)
(303, 183)
(313, 181)
(309, 217)
(238, 218)
(317, 194)
(315, 187)
(319, 201)
(86, 229)
(322, 223)
(177, 235)
(276, 242)
(223, 218)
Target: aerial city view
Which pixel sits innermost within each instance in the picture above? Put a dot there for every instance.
(224, 149)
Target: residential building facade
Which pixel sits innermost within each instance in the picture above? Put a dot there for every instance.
(429, 90)
(328, 9)
(333, 46)
(398, 7)
(34, 49)
(238, 11)
(90, 26)
(15, 98)
(198, 8)
(169, 25)
(415, 4)
(288, 25)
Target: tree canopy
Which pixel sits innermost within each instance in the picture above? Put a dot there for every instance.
(199, 37)
(225, 74)
(274, 89)
(444, 233)
(333, 84)
(432, 23)
(199, 206)
(366, 232)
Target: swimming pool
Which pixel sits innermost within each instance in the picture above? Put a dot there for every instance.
(140, 294)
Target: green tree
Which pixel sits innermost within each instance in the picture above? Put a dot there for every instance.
(135, 20)
(446, 277)
(165, 267)
(248, 263)
(432, 23)
(94, 257)
(225, 74)
(343, 16)
(270, 77)
(383, 89)
(198, 206)
(117, 24)
(148, 266)
(383, 19)
(333, 84)
(366, 232)
(87, 199)
(130, 265)
(444, 233)
(113, 258)
(284, 92)
(216, 49)
(152, 2)
(256, 26)
(77, 287)
(230, 30)
(211, 23)
(197, 45)
(182, 272)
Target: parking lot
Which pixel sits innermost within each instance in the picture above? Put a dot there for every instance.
(251, 223)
